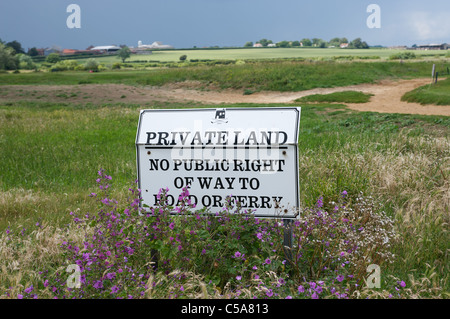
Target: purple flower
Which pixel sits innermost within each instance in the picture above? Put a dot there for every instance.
(29, 289)
(98, 284)
(46, 283)
(238, 277)
(402, 284)
(340, 278)
(267, 261)
(111, 275)
(288, 297)
(114, 289)
(301, 289)
(269, 293)
(171, 225)
(19, 296)
(314, 296)
(237, 254)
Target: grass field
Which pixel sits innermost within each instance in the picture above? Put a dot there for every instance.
(273, 76)
(50, 155)
(266, 53)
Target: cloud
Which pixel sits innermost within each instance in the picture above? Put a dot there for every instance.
(429, 26)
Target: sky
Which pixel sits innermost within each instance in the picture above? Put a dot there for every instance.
(204, 23)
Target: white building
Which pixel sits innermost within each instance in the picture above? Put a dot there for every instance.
(106, 48)
(154, 45)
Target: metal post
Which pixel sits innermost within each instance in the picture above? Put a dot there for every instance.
(287, 240)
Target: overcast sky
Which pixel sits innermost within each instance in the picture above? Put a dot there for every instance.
(188, 23)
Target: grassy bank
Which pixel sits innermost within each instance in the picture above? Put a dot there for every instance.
(438, 94)
(273, 76)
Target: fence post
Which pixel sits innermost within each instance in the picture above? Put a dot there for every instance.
(287, 240)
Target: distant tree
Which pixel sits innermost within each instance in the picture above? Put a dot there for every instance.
(33, 52)
(316, 42)
(283, 44)
(265, 42)
(343, 40)
(16, 46)
(306, 42)
(124, 53)
(183, 57)
(53, 58)
(334, 42)
(295, 43)
(359, 44)
(25, 62)
(248, 44)
(7, 59)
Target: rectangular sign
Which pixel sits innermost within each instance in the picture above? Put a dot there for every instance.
(249, 154)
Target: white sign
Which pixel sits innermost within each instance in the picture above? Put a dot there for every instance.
(250, 154)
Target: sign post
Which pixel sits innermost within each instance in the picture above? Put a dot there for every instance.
(249, 154)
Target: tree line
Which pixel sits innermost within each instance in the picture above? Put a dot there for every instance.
(357, 43)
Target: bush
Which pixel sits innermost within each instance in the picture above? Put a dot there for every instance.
(25, 62)
(123, 251)
(53, 58)
(91, 65)
(183, 57)
(403, 56)
(65, 65)
(116, 65)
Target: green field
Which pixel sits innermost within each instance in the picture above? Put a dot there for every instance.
(272, 76)
(50, 155)
(265, 53)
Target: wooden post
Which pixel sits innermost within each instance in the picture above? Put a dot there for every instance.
(433, 72)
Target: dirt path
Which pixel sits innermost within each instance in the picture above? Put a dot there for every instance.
(386, 99)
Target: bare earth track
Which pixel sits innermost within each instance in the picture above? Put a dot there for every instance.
(386, 99)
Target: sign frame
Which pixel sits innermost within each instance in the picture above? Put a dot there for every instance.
(290, 145)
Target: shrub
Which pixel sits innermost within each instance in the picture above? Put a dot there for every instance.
(116, 65)
(123, 251)
(91, 65)
(25, 62)
(403, 56)
(53, 58)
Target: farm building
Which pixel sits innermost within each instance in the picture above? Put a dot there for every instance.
(74, 51)
(53, 49)
(106, 48)
(426, 47)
